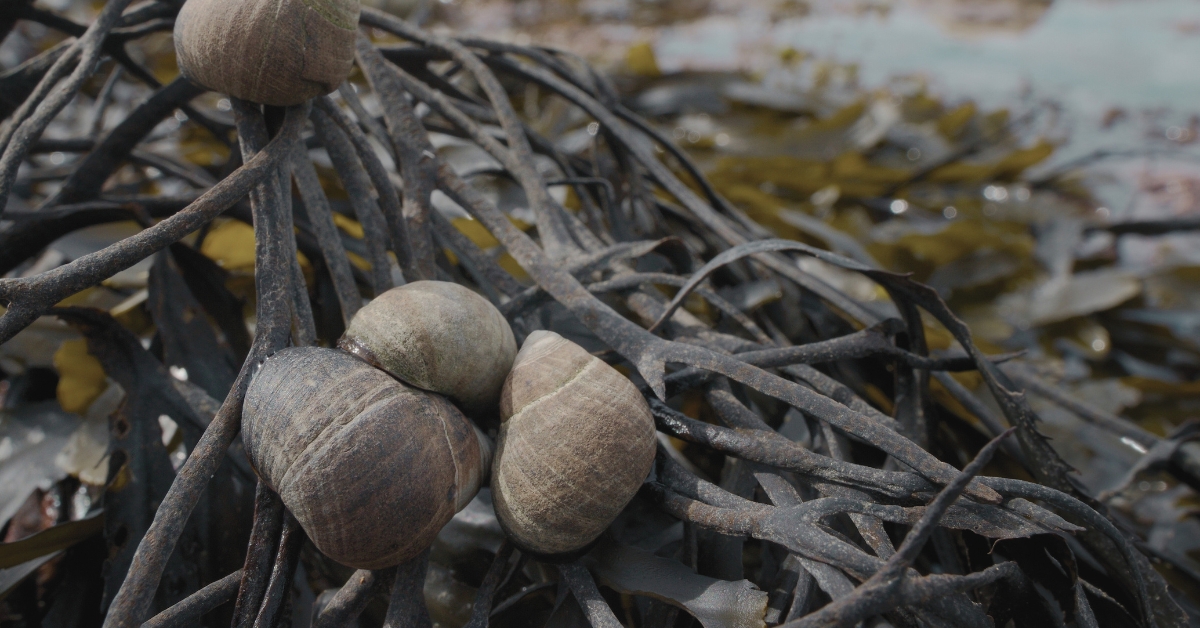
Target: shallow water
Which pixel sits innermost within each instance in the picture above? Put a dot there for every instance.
(1124, 76)
(1125, 73)
(1091, 56)
(1118, 76)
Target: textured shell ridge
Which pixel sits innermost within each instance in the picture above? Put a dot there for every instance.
(322, 440)
(454, 453)
(328, 9)
(547, 470)
(267, 42)
(349, 505)
(588, 366)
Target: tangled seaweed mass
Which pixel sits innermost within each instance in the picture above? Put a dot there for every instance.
(814, 416)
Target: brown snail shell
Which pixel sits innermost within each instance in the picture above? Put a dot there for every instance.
(437, 336)
(372, 469)
(575, 443)
(273, 52)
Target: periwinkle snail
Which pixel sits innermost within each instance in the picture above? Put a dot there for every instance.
(371, 467)
(272, 52)
(437, 336)
(576, 441)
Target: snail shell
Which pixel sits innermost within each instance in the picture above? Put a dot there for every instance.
(437, 336)
(273, 52)
(372, 469)
(575, 443)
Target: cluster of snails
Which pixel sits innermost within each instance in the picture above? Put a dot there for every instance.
(369, 444)
(369, 447)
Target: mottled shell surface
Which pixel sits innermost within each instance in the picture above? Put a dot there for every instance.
(372, 469)
(437, 336)
(274, 52)
(576, 441)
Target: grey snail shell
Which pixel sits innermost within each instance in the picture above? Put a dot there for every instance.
(372, 469)
(575, 443)
(437, 336)
(273, 52)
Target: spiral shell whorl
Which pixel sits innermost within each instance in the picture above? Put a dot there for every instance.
(576, 442)
(372, 469)
(437, 336)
